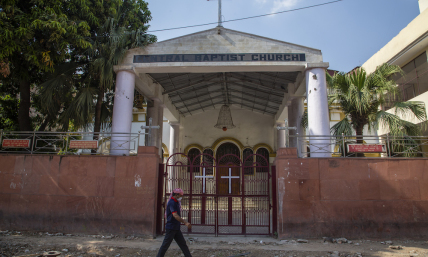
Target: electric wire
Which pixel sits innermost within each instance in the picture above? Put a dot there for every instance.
(246, 18)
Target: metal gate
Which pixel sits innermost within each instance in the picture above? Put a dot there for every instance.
(227, 196)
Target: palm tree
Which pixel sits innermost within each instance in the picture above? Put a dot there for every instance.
(109, 48)
(361, 96)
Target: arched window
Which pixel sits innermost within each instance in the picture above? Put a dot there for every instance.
(248, 162)
(227, 148)
(262, 161)
(208, 160)
(192, 154)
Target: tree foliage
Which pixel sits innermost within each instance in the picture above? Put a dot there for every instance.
(62, 54)
(361, 96)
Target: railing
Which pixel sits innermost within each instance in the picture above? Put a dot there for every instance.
(76, 143)
(362, 146)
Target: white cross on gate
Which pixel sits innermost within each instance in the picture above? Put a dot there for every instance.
(230, 179)
(203, 180)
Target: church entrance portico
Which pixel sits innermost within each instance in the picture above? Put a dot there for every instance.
(191, 77)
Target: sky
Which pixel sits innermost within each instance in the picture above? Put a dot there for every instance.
(348, 32)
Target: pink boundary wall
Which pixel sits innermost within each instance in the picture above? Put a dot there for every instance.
(351, 197)
(80, 194)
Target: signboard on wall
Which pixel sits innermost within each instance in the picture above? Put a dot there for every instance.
(263, 57)
(366, 148)
(83, 144)
(16, 143)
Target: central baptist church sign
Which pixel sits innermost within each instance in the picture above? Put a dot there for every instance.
(219, 58)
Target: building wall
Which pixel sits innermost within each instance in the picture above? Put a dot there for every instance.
(351, 197)
(251, 128)
(80, 194)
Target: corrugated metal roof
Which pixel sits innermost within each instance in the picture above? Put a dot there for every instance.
(261, 92)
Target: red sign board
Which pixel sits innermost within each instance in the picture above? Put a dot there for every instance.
(83, 144)
(367, 148)
(16, 143)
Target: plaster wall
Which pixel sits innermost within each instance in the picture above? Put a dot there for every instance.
(80, 194)
(166, 133)
(423, 5)
(251, 128)
(351, 197)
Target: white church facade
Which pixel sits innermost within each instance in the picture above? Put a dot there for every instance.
(187, 80)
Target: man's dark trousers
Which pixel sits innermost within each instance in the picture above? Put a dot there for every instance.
(179, 238)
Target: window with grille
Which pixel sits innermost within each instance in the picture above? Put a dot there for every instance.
(192, 154)
(262, 161)
(208, 161)
(227, 148)
(248, 162)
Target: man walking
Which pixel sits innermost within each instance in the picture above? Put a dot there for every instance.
(172, 227)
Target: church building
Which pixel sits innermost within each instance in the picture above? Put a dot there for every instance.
(191, 80)
(229, 99)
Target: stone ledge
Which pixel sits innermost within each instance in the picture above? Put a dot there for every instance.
(324, 65)
(147, 150)
(286, 153)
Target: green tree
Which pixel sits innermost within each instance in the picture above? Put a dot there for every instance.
(36, 35)
(91, 75)
(8, 106)
(361, 95)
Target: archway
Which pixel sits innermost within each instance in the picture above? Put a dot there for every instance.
(228, 156)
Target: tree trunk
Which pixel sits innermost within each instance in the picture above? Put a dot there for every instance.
(24, 106)
(98, 108)
(44, 124)
(66, 126)
(359, 131)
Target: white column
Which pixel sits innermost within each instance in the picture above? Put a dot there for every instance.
(174, 134)
(295, 113)
(122, 113)
(318, 120)
(160, 130)
(155, 111)
(280, 134)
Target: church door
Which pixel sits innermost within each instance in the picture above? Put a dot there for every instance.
(228, 157)
(229, 180)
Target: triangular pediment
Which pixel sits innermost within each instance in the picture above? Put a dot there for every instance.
(223, 41)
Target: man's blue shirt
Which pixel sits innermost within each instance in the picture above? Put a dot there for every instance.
(171, 222)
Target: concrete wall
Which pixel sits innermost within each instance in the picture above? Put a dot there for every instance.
(80, 194)
(351, 197)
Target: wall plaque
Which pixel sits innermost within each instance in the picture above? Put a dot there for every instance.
(83, 144)
(366, 148)
(16, 143)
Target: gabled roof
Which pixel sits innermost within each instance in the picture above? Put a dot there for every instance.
(222, 40)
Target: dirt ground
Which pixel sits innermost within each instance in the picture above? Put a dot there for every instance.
(14, 243)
